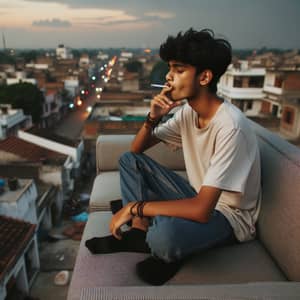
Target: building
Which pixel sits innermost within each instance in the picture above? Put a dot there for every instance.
(51, 108)
(31, 156)
(71, 84)
(84, 61)
(11, 120)
(281, 84)
(130, 82)
(19, 258)
(63, 52)
(117, 112)
(282, 99)
(19, 77)
(242, 85)
(290, 120)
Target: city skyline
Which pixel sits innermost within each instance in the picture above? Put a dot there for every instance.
(140, 24)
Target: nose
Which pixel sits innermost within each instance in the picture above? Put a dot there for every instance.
(169, 76)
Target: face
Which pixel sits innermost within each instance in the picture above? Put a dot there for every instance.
(183, 80)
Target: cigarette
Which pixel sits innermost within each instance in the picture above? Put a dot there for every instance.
(158, 85)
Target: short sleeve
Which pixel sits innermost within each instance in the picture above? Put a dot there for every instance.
(169, 132)
(230, 165)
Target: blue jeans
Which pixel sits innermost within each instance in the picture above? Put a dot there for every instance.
(169, 238)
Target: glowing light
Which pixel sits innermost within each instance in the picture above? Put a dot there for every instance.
(98, 96)
(71, 105)
(82, 92)
(79, 102)
(89, 109)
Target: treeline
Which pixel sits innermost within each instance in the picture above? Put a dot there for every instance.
(25, 96)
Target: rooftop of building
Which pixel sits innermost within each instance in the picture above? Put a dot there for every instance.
(14, 237)
(44, 133)
(122, 96)
(25, 151)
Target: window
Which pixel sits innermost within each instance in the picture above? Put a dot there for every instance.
(238, 81)
(288, 116)
(278, 81)
(256, 81)
(249, 105)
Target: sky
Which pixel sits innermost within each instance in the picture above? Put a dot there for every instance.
(147, 23)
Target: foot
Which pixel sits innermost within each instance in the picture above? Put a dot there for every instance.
(115, 205)
(133, 240)
(156, 271)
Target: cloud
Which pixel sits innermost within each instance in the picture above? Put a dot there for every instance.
(160, 15)
(132, 7)
(56, 23)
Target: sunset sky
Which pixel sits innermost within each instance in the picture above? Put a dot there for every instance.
(146, 23)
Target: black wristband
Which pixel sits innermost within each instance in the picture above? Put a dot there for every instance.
(131, 209)
(140, 208)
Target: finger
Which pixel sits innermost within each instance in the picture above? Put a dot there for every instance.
(166, 89)
(164, 98)
(117, 233)
(161, 103)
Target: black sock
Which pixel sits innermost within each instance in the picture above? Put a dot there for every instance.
(156, 271)
(133, 240)
(115, 205)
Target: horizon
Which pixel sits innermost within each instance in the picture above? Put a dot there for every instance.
(43, 24)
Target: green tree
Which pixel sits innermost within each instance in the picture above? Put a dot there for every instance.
(25, 96)
(158, 73)
(5, 58)
(134, 66)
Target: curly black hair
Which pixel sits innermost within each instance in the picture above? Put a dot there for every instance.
(200, 49)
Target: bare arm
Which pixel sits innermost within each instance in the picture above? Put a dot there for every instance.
(160, 106)
(198, 209)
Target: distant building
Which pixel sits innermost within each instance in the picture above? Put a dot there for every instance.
(290, 120)
(84, 61)
(280, 84)
(102, 56)
(19, 77)
(63, 52)
(71, 84)
(242, 85)
(11, 120)
(51, 108)
(116, 113)
(130, 82)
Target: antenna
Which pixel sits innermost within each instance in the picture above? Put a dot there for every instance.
(4, 42)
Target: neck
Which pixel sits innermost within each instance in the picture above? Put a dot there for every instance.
(205, 104)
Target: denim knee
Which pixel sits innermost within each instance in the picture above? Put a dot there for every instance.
(127, 159)
(161, 238)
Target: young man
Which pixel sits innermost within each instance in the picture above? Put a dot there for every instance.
(173, 218)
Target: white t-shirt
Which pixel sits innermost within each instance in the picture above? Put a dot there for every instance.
(223, 154)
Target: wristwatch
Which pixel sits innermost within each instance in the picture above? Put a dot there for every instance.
(152, 123)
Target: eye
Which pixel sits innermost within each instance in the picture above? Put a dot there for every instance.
(180, 70)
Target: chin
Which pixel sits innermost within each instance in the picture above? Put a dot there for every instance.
(178, 97)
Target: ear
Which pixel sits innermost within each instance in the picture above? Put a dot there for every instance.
(205, 77)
